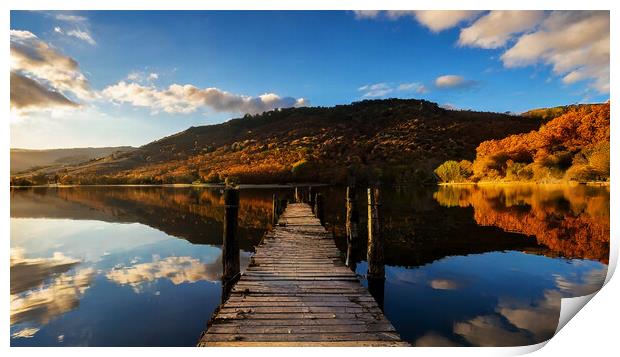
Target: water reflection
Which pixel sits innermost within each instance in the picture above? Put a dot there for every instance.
(464, 265)
(569, 221)
(177, 270)
(487, 266)
(192, 214)
(522, 321)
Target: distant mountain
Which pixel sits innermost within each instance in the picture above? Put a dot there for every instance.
(29, 160)
(394, 140)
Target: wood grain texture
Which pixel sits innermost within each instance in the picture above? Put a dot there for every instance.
(298, 292)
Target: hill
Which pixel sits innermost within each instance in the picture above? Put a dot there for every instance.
(394, 140)
(28, 160)
(574, 146)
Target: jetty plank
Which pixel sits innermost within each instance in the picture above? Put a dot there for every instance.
(298, 292)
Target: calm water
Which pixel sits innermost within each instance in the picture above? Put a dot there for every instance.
(121, 266)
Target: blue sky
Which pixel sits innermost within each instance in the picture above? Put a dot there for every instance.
(126, 63)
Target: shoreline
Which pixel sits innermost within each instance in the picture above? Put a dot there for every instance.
(318, 184)
(525, 183)
(186, 185)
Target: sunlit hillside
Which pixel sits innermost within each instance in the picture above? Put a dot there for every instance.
(391, 140)
(572, 147)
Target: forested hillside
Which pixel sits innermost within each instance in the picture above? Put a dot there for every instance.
(572, 147)
(392, 140)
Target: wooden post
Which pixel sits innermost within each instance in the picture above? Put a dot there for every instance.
(311, 198)
(376, 267)
(352, 220)
(318, 209)
(230, 248)
(297, 198)
(376, 288)
(274, 209)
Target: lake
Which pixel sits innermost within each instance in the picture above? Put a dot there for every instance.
(141, 266)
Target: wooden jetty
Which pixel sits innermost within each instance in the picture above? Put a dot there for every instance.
(298, 292)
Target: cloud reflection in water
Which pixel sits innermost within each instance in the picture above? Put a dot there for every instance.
(523, 322)
(178, 270)
(51, 300)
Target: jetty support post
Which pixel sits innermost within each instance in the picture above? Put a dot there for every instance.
(352, 221)
(375, 256)
(318, 208)
(230, 247)
(311, 198)
(375, 253)
(275, 212)
(297, 197)
(376, 288)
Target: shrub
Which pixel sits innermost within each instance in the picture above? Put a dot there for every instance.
(598, 159)
(231, 181)
(449, 171)
(581, 173)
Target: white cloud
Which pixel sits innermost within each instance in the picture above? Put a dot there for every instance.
(376, 90)
(49, 68)
(71, 18)
(134, 76)
(188, 99)
(576, 44)
(497, 27)
(449, 80)
(439, 20)
(142, 76)
(412, 87)
(82, 35)
(80, 26)
(435, 20)
(453, 81)
(366, 14)
(79, 34)
(383, 89)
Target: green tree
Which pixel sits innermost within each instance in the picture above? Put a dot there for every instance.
(449, 171)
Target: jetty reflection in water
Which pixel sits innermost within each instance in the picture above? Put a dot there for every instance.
(140, 265)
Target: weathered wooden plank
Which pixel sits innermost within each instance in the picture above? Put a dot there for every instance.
(301, 298)
(304, 344)
(244, 304)
(353, 336)
(301, 315)
(257, 329)
(299, 309)
(295, 322)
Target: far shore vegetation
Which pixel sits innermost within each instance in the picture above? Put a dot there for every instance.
(573, 147)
